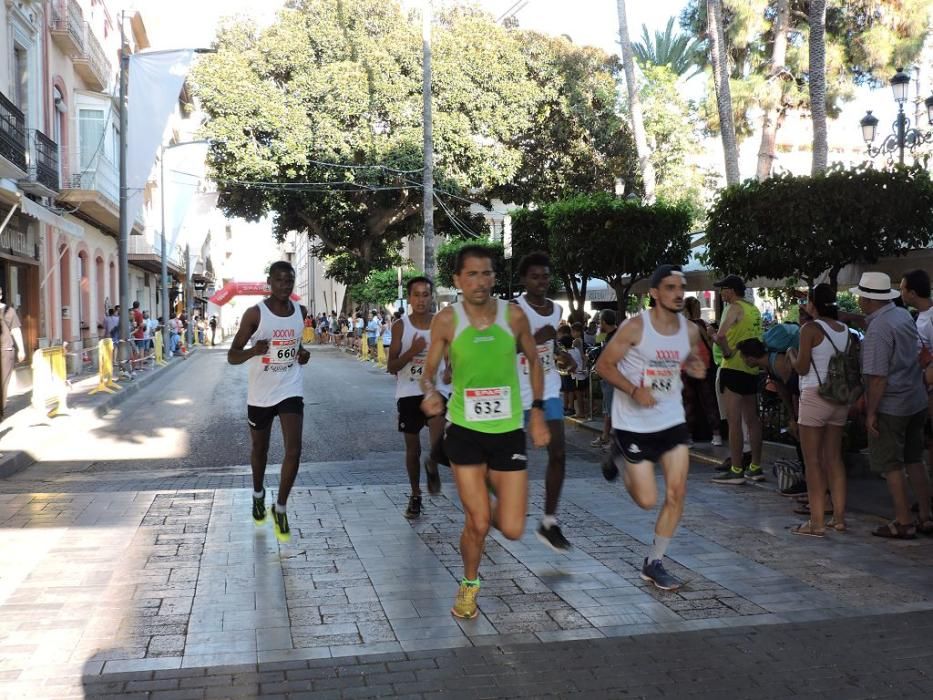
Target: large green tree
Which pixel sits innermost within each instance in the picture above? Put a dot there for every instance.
(576, 140)
(317, 120)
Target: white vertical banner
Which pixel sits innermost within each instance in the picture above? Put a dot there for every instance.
(155, 81)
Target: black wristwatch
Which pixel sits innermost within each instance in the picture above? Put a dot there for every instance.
(538, 403)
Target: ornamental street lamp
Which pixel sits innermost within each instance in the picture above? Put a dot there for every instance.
(903, 135)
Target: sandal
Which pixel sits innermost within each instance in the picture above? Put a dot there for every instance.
(925, 527)
(895, 531)
(807, 529)
(837, 525)
(805, 510)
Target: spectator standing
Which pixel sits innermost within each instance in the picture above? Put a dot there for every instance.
(700, 394)
(738, 381)
(915, 292)
(821, 423)
(372, 330)
(896, 403)
(12, 348)
(607, 329)
(213, 325)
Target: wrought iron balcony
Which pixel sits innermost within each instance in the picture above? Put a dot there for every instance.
(92, 64)
(12, 137)
(67, 26)
(43, 166)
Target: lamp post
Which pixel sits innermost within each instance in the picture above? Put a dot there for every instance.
(164, 251)
(903, 136)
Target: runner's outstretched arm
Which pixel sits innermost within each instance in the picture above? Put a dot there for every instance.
(607, 366)
(537, 426)
(441, 335)
(237, 355)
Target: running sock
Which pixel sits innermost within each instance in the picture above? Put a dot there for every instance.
(259, 494)
(658, 548)
(279, 508)
(548, 521)
(467, 582)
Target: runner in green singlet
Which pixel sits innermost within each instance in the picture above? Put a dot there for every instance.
(484, 437)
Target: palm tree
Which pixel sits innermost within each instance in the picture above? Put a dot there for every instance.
(634, 101)
(717, 56)
(774, 109)
(818, 84)
(678, 51)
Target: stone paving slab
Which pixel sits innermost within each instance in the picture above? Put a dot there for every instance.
(837, 658)
(127, 580)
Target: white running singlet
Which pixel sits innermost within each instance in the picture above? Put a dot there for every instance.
(655, 363)
(545, 354)
(408, 379)
(276, 376)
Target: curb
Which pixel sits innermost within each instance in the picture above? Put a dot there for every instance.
(16, 461)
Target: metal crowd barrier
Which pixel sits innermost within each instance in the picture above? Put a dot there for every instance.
(105, 379)
(50, 381)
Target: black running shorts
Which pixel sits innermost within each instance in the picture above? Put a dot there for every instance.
(410, 417)
(649, 447)
(502, 452)
(738, 382)
(260, 417)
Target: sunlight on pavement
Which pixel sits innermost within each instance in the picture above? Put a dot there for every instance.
(83, 436)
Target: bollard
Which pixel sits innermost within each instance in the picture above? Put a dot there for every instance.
(364, 349)
(159, 349)
(49, 381)
(381, 353)
(105, 379)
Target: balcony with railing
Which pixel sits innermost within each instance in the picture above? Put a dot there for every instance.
(42, 177)
(91, 63)
(67, 26)
(12, 140)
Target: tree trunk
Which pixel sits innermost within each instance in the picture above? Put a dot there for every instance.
(634, 101)
(834, 278)
(775, 92)
(818, 84)
(717, 57)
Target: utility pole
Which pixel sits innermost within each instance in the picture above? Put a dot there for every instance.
(166, 316)
(124, 238)
(427, 206)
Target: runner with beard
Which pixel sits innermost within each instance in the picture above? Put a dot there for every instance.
(643, 362)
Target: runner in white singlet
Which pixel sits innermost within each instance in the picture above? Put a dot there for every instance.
(408, 350)
(275, 326)
(534, 271)
(643, 362)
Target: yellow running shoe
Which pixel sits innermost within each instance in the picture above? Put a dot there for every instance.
(280, 526)
(465, 604)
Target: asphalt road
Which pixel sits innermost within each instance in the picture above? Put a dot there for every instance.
(349, 414)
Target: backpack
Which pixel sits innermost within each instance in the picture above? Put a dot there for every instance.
(781, 337)
(843, 383)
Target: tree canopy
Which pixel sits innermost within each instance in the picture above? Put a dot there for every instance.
(839, 217)
(317, 119)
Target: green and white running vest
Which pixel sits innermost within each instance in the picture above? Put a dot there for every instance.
(486, 394)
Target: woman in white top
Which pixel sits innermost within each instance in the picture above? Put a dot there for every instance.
(821, 422)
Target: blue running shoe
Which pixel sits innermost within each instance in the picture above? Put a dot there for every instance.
(658, 575)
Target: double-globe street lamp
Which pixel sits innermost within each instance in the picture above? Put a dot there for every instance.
(164, 248)
(903, 135)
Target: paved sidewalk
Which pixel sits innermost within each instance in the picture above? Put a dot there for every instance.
(101, 577)
(26, 435)
(880, 657)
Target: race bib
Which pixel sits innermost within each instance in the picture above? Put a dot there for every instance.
(545, 357)
(487, 404)
(662, 380)
(416, 367)
(281, 352)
